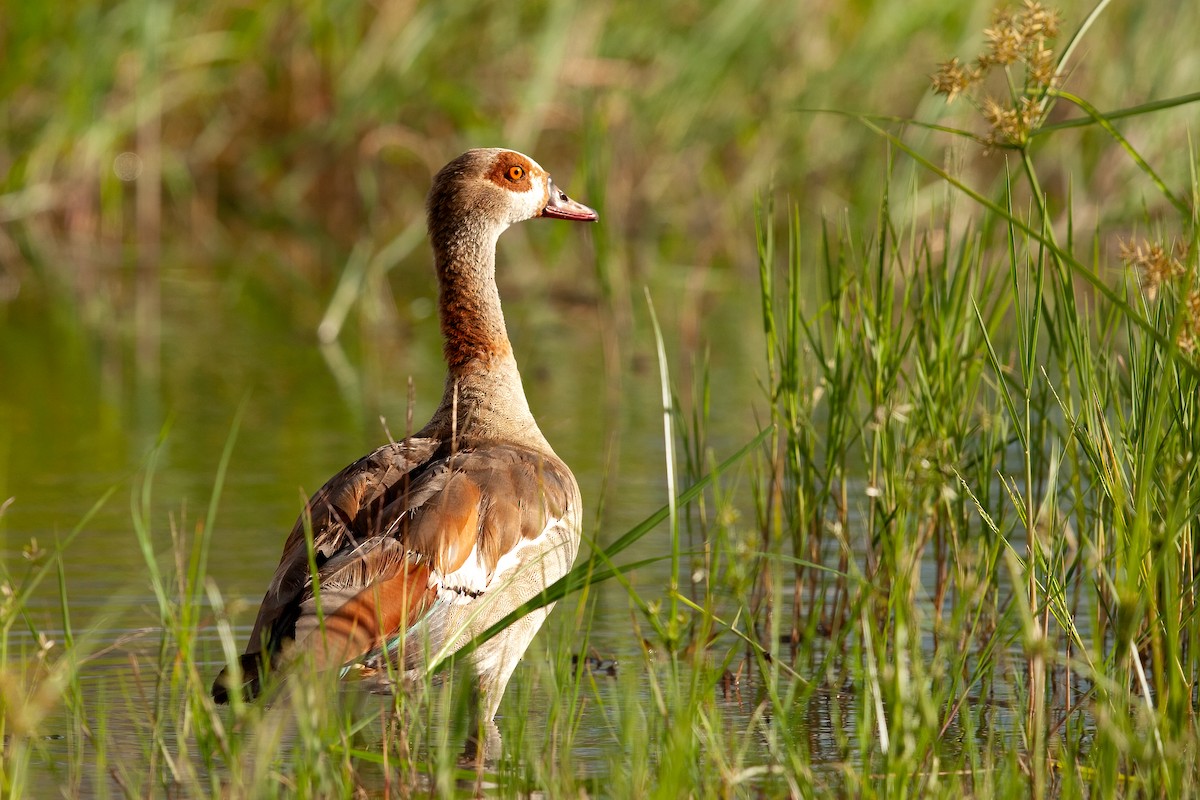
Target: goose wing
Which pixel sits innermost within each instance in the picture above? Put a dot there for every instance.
(411, 524)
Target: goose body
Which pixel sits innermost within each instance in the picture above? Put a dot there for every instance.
(424, 543)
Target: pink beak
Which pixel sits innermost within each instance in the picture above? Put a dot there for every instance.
(562, 207)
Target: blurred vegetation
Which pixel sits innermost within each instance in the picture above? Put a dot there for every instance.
(278, 137)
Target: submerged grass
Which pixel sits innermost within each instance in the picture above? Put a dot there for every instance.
(958, 560)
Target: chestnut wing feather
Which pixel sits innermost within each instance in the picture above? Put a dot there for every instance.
(390, 529)
(346, 511)
(443, 540)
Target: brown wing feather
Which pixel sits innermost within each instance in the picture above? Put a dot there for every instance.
(447, 526)
(363, 621)
(384, 586)
(341, 513)
(383, 528)
(344, 511)
(524, 491)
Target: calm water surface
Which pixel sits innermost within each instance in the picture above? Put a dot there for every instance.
(88, 408)
(83, 406)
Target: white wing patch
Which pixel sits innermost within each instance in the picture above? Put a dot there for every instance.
(472, 580)
(469, 601)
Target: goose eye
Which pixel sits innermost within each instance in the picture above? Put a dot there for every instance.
(515, 173)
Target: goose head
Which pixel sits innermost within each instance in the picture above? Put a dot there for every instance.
(492, 188)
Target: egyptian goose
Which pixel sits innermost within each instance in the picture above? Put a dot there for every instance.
(424, 543)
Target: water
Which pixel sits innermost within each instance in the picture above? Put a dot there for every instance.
(85, 408)
(92, 407)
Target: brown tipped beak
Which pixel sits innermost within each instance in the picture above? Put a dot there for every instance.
(562, 207)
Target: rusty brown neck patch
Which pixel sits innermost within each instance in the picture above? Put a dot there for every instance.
(468, 301)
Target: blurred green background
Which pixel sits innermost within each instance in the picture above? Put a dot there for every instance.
(210, 204)
(280, 136)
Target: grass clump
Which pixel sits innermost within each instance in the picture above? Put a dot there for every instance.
(996, 442)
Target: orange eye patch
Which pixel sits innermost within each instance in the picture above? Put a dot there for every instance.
(516, 173)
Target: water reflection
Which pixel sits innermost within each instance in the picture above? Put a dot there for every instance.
(82, 417)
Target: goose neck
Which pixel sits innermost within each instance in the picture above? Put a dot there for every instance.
(483, 395)
(472, 320)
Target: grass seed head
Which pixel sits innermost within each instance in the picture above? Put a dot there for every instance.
(1005, 39)
(1156, 265)
(1010, 126)
(1189, 334)
(1040, 65)
(1037, 20)
(952, 79)
(1023, 37)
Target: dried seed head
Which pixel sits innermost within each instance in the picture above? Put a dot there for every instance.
(1010, 126)
(1022, 37)
(1037, 20)
(1189, 333)
(1156, 265)
(1029, 109)
(1004, 40)
(1040, 66)
(952, 79)
(1186, 342)
(1191, 330)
